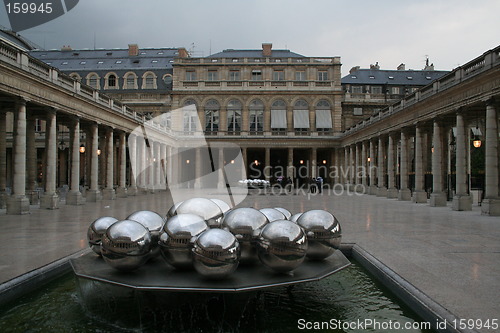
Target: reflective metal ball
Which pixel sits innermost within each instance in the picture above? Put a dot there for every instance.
(178, 237)
(273, 214)
(295, 217)
(224, 206)
(282, 246)
(285, 212)
(203, 207)
(323, 233)
(216, 254)
(245, 224)
(154, 223)
(171, 212)
(126, 245)
(96, 231)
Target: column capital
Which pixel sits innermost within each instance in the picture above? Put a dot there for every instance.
(20, 101)
(50, 111)
(492, 101)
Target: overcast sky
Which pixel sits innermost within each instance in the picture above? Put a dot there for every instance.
(450, 32)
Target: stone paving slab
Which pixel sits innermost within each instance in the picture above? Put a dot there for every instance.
(452, 257)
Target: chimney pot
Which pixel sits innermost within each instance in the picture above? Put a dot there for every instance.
(267, 49)
(133, 50)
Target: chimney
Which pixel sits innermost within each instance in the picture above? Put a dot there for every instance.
(267, 49)
(401, 67)
(354, 69)
(66, 48)
(183, 53)
(133, 50)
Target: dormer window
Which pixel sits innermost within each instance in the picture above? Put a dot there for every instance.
(100, 62)
(428, 77)
(354, 77)
(83, 62)
(154, 61)
(64, 63)
(160, 53)
(372, 77)
(409, 77)
(118, 62)
(391, 77)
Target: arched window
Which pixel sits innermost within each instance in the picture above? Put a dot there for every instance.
(323, 117)
(149, 81)
(234, 117)
(256, 117)
(112, 80)
(212, 109)
(278, 117)
(190, 116)
(130, 81)
(93, 81)
(75, 77)
(301, 117)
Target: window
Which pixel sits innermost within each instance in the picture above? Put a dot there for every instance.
(322, 76)
(213, 75)
(100, 62)
(278, 117)
(64, 63)
(83, 62)
(323, 117)
(167, 79)
(278, 75)
(130, 81)
(300, 76)
(358, 111)
(149, 81)
(395, 90)
(377, 90)
(212, 117)
(409, 77)
(154, 61)
(301, 117)
(118, 62)
(256, 117)
(190, 75)
(234, 117)
(256, 75)
(356, 89)
(190, 116)
(234, 75)
(372, 77)
(160, 53)
(93, 81)
(38, 125)
(112, 81)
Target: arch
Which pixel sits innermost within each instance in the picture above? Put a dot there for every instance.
(323, 110)
(130, 80)
(111, 81)
(256, 117)
(149, 80)
(301, 104)
(167, 79)
(234, 109)
(75, 76)
(93, 80)
(301, 122)
(212, 111)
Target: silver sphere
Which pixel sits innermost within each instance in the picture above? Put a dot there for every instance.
(245, 224)
(224, 207)
(126, 245)
(203, 207)
(273, 214)
(216, 254)
(172, 211)
(282, 246)
(96, 231)
(323, 233)
(178, 237)
(154, 223)
(285, 212)
(295, 217)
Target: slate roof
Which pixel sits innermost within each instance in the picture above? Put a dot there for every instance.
(392, 77)
(108, 59)
(230, 53)
(18, 40)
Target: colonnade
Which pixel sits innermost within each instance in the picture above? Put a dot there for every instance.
(429, 161)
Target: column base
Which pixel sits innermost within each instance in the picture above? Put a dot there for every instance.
(419, 197)
(49, 201)
(491, 207)
(373, 190)
(75, 198)
(404, 195)
(93, 196)
(122, 192)
(108, 194)
(18, 205)
(462, 202)
(33, 197)
(4, 197)
(392, 193)
(438, 199)
(381, 191)
(132, 191)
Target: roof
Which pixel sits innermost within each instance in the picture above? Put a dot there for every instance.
(108, 59)
(16, 39)
(230, 53)
(392, 77)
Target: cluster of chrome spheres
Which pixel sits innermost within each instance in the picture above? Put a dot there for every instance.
(209, 236)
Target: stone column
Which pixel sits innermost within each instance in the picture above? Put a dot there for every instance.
(462, 200)
(157, 165)
(438, 196)
(491, 202)
(392, 192)
(419, 195)
(163, 165)
(382, 189)
(352, 167)
(143, 162)
(222, 182)
(404, 192)
(121, 191)
(3, 160)
(150, 158)
(109, 192)
(347, 168)
(314, 162)
(357, 165)
(94, 194)
(373, 168)
(267, 164)
(173, 169)
(198, 168)
(18, 203)
(244, 163)
(134, 170)
(289, 170)
(364, 168)
(50, 199)
(74, 196)
(31, 158)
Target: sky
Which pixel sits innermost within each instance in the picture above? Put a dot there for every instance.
(390, 32)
